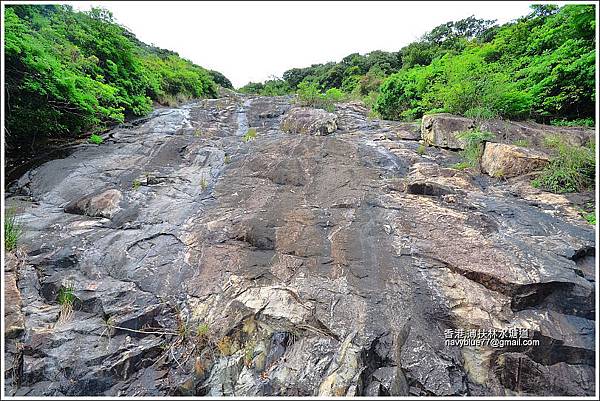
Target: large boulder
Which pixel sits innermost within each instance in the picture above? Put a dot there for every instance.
(441, 129)
(104, 204)
(502, 160)
(433, 180)
(306, 120)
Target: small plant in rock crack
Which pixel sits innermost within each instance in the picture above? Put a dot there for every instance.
(422, 149)
(198, 133)
(12, 230)
(226, 346)
(227, 159)
(249, 353)
(136, 184)
(591, 218)
(96, 139)
(65, 299)
(249, 135)
(203, 183)
(202, 330)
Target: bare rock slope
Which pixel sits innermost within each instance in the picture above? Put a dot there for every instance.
(196, 263)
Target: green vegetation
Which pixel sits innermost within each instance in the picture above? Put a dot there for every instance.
(65, 295)
(70, 72)
(202, 330)
(96, 139)
(474, 147)
(65, 299)
(249, 135)
(572, 168)
(203, 183)
(309, 95)
(521, 142)
(12, 230)
(590, 218)
(580, 122)
(136, 184)
(227, 159)
(461, 165)
(541, 67)
(422, 149)
(271, 87)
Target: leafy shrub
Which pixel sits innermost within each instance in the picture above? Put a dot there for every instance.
(309, 95)
(572, 168)
(96, 139)
(12, 230)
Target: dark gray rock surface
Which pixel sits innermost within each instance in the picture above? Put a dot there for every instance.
(292, 265)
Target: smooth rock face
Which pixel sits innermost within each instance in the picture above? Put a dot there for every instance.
(305, 120)
(441, 129)
(293, 265)
(502, 160)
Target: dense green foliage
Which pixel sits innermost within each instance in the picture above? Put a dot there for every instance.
(271, 87)
(540, 66)
(572, 169)
(69, 72)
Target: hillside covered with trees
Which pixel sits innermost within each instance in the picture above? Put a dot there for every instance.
(539, 67)
(73, 72)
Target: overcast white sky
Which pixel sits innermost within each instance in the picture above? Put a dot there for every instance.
(250, 41)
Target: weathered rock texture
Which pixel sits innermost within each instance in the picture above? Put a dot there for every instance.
(305, 120)
(292, 265)
(502, 160)
(441, 130)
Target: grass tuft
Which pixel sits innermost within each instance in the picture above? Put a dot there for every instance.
(12, 230)
(572, 169)
(474, 147)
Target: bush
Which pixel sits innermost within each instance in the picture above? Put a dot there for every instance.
(96, 139)
(309, 95)
(572, 169)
